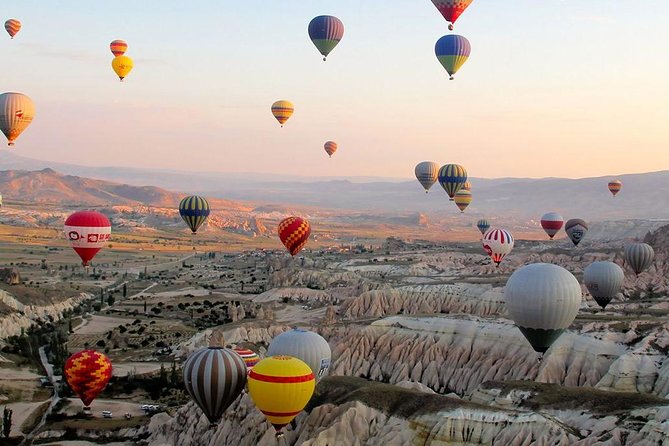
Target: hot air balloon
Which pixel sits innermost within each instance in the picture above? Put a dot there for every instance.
(250, 357)
(325, 31)
(88, 232)
(122, 66)
(497, 243)
(294, 233)
(330, 148)
(451, 9)
(194, 210)
(118, 47)
(452, 51)
(282, 110)
(467, 186)
(639, 256)
(427, 174)
(12, 26)
(483, 225)
(576, 229)
(615, 186)
(87, 373)
(552, 222)
(306, 346)
(281, 386)
(452, 177)
(214, 377)
(16, 113)
(603, 280)
(462, 199)
(543, 300)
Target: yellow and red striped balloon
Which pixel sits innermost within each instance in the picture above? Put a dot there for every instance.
(87, 373)
(12, 26)
(294, 233)
(615, 186)
(330, 147)
(282, 110)
(118, 47)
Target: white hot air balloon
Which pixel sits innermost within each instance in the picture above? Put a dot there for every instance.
(305, 345)
(16, 113)
(543, 300)
(427, 174)
(603, 280)
(497, 243)
(639, 256)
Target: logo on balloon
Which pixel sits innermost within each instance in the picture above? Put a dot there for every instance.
(73, 235)
(325, 365)
(487, 249)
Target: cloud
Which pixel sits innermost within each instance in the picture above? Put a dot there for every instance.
(39, 49)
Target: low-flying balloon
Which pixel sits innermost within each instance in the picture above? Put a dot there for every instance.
(427, 174)
(615, 186)
(452, 177)
(87, 373)
(118, 47)
(497, 243)
(543, 300)
(122, 65)
(305, 345)
(452, 51)
(281, 386)
(214, 377)
(462, 199)
(576, 229)
(451, 9)
(330, 148)
(250, 357)
(16, 113)
(639, 256)
(483, 225)
(12, 26)
(88, 232)
(282, 110)
(194, 210)
(552, 222)
(294, 233)
(326, 31)
(603, 280)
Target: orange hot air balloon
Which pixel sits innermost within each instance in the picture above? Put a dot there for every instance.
(330, 147)
(282, 110)
(87, 373)
(294, 233)
(12, 26)
(615, 186)
(118, 47)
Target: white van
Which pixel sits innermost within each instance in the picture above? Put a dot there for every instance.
(106, 414)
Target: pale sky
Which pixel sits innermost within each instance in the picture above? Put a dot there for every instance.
(561, 88)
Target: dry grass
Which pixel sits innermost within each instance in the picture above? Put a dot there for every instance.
(34, 418)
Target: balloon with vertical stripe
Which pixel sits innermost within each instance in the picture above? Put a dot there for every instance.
(214, 377)
(281, 386)
(451, 9)
(462, 199)
(118, 47)
(576, 230)
(330, 148)
(552, 223)
(427, 174)
(12, 26)
(452, 177)
(452, 51)
(16, 113)
(467, 186)
(194, 210)
(282, 110)
(326, 31)
(483, 225)
(639, 256)
(305, 345)
(603, 280)
(497, 243)
(615, 186)
(87, 373)
(294, 233)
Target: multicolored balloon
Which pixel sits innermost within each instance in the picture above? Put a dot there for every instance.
(306, 346)
(603, 280)
(467, 186)
(194, 210)
(122, 65)
(483, 225)
(281, 386)
(330, 147)
(497, 243)
(639, 256)
(118, 47)
(214, 377)
(452, 52)
(16, 113)
(326, 31)
(282, 110)
(250, 357)
(451, 9)
(576, 230)
(552, 223)
(88, 232)
(294, 233)
(462, 199)
(87, 373)
(12, 26)
(427, 173)
(543, 300)
(615, 186)
(452, 177)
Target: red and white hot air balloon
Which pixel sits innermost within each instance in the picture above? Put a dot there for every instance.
(552, 222)
(497, 243)
(87, 231)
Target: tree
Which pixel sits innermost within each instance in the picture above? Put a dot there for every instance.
(102, 297)
(173, 374)
(144, 307)
(6, 422)
(163, 376)
(125, 290)
(110, 300)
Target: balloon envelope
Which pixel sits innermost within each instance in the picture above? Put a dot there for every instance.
(282, 110)
(462, 199)
(452, 52)
(305, 345)
(122, 65)
(118, 47)
(603, 280)
(552, 222)
(427, 173)
(250, 357)
(87, 373)
(639, 256)
(16, 113)
(615, 186)
(194, 210)
(326, 32)
(451, 9)
(543, 300)
(576, 230)
(452, 177)
(294, 233)
(483, 225)
(88, 232)
(497, 243)
(12, 26)
(330, 148)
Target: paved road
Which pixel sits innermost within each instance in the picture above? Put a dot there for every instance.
(48, 367)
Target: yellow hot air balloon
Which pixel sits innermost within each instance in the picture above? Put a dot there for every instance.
(281, 386)
(122, 66)
(16, 113)
(282, 110)
(462, 199)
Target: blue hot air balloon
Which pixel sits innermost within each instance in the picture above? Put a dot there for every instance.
(452, 51)
(452, 177)
(483, 225)
(325, 32)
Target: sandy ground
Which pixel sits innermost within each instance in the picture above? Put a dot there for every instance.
(10, 374)
(85, 443)
(117, 407)
(21, 412)
(99, 324)
(294, 314)
(140, 368)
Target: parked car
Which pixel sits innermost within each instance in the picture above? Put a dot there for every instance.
(106, 414)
